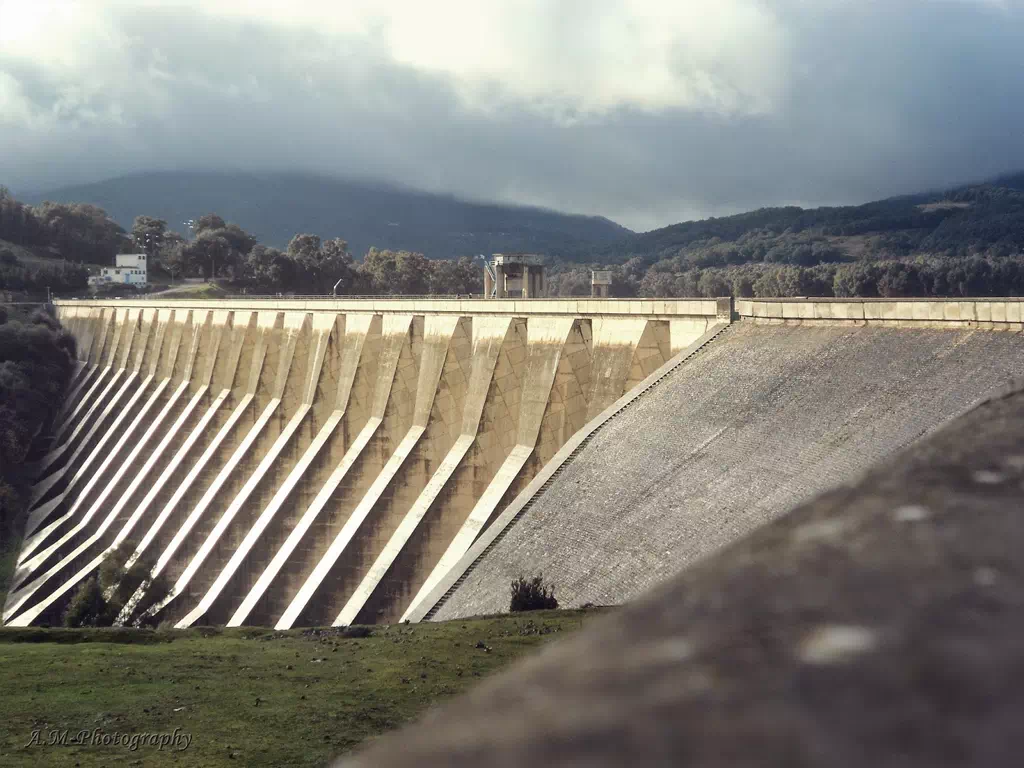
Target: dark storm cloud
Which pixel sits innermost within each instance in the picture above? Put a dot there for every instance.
(874, 99)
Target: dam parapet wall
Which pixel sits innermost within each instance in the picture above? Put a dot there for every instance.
(982, 313)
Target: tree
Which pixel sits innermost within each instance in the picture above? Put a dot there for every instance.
(148, 233)
(454, 277)
(241, 242)
(657, 285)
(304, 247)
(856, 280)
(209, 252)
(36, 362)
(398, 272)
(175, 259)
(18, 223)
(337, 267)
(267, 270)
(712, 284)
(573, 281)
(82, 232)
(101, 598)
(88, 608)
(206, 222)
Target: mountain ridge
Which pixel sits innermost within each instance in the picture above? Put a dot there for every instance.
(275, 206)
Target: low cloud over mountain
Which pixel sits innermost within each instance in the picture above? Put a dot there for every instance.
(645, 111)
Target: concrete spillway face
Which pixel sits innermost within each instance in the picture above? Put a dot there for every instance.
(124, 323)
(87, 390)
(322, 327)
(89, 350)
(179, 364)
(437, 337)
(265, 324)
(42, 543)
(546, 340)
(325, 326)
(93, 446)
(69, 432)
(615, 343)
(176, 365)
(213, 332)
(76, 321)
(357, 328)
(488, 335)
(219, 363)
(89, 323)
(63, 576)
(394, 336)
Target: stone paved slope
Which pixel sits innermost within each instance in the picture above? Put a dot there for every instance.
(763, 418)
(879, 625)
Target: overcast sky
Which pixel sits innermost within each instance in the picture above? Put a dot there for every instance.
(646, 111)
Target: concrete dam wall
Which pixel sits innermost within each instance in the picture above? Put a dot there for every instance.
(296, 463)
(772, 411)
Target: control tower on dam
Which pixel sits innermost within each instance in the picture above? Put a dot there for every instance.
(296, 462)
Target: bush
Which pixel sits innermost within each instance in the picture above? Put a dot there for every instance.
(88, 608)
(99, 601)
(532, 595)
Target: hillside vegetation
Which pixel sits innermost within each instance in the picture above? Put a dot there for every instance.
(966, 241)
(962, 242)
(36, 362)
(243, 696)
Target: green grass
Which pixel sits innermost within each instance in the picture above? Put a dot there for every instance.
(318, 695)
(40, 256)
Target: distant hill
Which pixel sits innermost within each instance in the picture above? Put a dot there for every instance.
(987, 217)
(276, 206)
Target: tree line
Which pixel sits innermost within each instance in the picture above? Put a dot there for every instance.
(966, 241)
(35, 279)
(928, 277)
(309, 265)
(213, 249)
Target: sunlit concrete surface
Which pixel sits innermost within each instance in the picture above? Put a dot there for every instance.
(290, 462)
(295, 462)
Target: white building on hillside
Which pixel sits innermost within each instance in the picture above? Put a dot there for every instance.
(130, 269)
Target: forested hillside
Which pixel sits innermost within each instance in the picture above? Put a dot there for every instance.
(963, 242)
(36, 361)
(967, 241)
(274, 207)
(43, 246)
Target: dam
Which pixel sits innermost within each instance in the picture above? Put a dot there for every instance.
(294, 462)
(310, 462)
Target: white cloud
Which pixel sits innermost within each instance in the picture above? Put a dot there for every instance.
(567, 57)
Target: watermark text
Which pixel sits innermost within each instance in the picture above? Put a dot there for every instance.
(176, 740)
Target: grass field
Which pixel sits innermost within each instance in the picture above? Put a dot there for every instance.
(242, 696)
